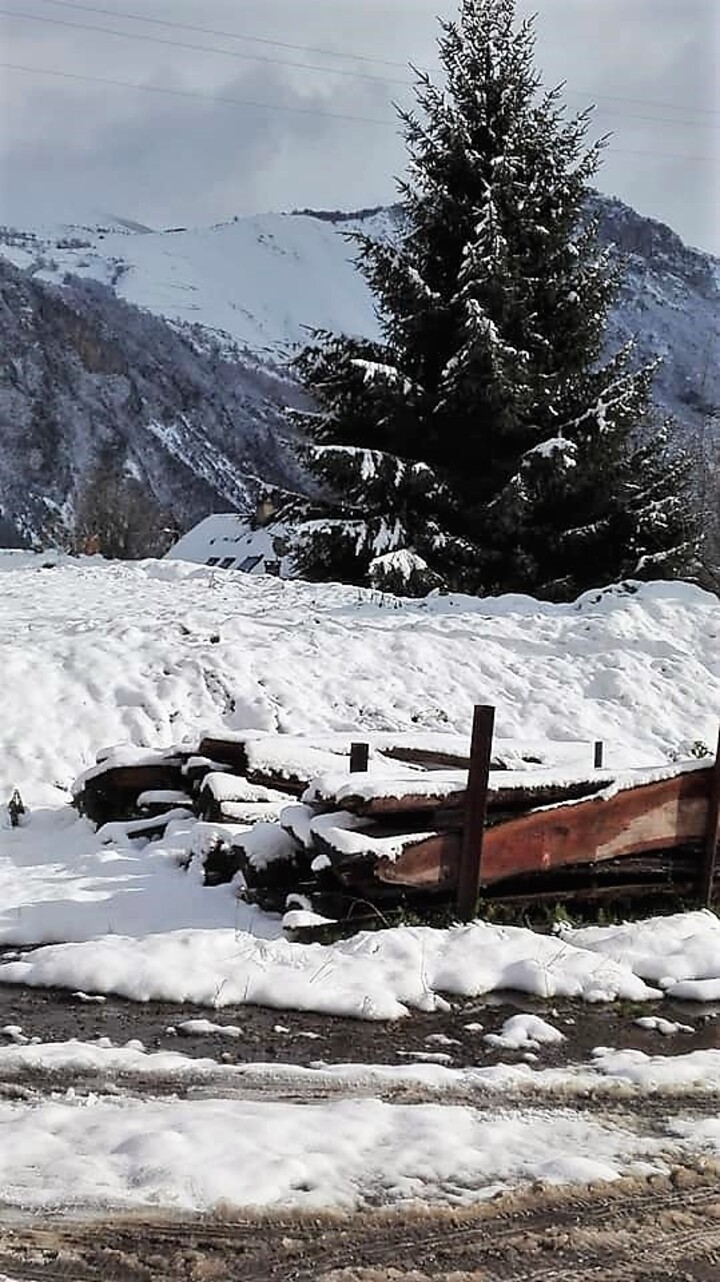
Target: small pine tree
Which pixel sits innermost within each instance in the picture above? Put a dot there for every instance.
(482, 443)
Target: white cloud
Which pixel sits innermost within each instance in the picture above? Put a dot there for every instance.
(70, 146)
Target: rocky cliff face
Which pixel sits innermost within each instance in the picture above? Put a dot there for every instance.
(670, 304)
(85, 377)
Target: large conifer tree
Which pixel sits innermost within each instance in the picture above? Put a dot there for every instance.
(482, 444)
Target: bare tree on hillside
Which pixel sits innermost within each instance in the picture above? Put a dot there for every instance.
(118, 517)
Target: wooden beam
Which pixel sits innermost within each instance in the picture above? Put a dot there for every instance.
(430, 864)
(589, 894)
(653, 816)
(427, 757)
(229, 752)
(712, 834)
(470, 870)
(451, 805)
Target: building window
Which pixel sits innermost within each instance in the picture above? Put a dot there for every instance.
(249, 563)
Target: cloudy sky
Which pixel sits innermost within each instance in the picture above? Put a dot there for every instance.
(190, 111)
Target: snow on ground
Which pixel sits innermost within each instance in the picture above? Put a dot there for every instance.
(622, 1074)
(374, 975)
(524, 1032)
(349, 1149)
(197, 1154)
(679, 953)
(95, 654)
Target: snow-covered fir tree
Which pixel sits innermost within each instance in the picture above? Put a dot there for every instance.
(484, 444)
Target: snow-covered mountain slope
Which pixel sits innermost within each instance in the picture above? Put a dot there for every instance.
(259, 280)
(264, 280)
(192, 408)
(670, 304)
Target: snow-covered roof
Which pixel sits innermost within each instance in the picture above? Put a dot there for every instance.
(228, 541)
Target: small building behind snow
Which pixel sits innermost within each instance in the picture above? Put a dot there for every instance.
(227, 541)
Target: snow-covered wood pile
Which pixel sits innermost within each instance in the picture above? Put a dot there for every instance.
(284, 816)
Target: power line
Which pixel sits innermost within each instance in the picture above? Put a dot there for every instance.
(223, 100)
(264, 58)
(228, 35)
(355, 57)
(193, 93)
(195, 48)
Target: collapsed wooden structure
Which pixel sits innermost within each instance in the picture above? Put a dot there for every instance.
(345, 829)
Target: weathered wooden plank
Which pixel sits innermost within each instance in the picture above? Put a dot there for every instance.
(431, 760)
(591, 894)
(449, 805)
(157, 801)
(243, 812)
(113, 793)
(431, 863)
(196, 768)
(229, 752)
(654, 816)
(141, 778)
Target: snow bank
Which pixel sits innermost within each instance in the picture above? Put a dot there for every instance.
(679, 954)
(152, 653)
(371, 976)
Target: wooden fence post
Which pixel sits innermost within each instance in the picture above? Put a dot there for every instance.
(598, 757)
(712, 834)
(359, 754)
(470, 871)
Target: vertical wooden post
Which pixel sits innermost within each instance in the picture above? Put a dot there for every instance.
(470, 871)
(712, 832)
(359, 754)
(598, 754)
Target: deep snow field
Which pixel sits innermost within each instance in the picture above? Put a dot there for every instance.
(95, 654)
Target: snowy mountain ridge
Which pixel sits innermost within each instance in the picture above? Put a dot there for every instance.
(239, 296)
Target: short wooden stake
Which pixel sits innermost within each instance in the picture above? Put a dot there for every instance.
(15, 808)
(712, 832)
(470, 871)
(598, 754)
(359, 755)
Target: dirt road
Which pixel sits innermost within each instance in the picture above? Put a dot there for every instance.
(630, 1231)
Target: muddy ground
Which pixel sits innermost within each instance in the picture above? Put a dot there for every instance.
(298, 1038)
(660, 1229)
(664, 1227)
